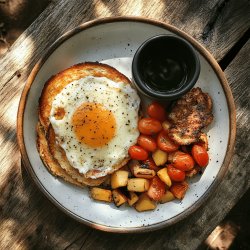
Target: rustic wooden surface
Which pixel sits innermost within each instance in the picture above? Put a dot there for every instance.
(27, 218)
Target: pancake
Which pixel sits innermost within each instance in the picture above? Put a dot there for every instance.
(50, 151)
(48, 160)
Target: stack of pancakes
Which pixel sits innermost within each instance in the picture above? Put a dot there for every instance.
(50, 151)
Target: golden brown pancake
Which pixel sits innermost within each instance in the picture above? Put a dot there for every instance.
(50, 152)
(48, 159)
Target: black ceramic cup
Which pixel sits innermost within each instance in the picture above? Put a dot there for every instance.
(165, 67)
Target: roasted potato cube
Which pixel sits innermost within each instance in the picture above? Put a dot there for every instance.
(119, 179)
(138, 185)
(140, 172)
(101, 194)
(160, 157)
(133, 198)
(168, 196)
(118, 197)
(144, 203)
(144, 173)
(163, 175)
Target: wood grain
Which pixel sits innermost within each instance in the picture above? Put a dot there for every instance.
(27, 219)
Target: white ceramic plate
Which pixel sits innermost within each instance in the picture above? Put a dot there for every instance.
(114, 41)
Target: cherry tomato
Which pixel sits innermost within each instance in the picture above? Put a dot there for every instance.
(156, 189)
(173, 154)
(200, 155)
(182, 161)
(165, 144)
(149, 163)
(147, 142)
(149, 126)
(157, 111)
(175, 174)
(138, 153)
(179, 189)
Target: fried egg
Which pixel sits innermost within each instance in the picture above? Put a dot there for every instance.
(95, 122)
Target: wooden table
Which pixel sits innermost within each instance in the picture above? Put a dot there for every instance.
(27, 218)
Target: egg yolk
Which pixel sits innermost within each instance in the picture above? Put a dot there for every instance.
(93, 124)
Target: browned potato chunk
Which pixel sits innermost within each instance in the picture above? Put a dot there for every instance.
(163, 175)
(140, 172)
(144, 173)
(118, 197)
(101, 194)
(133, 198)
(119, 179)
(138, 185)
(144, 203)
(160, 157)
(168, 196)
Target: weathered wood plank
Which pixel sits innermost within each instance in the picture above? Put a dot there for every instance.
(27, 219)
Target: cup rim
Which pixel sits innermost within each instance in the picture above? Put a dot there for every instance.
(139, 84)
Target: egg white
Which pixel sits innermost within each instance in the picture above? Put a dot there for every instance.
(120, 98)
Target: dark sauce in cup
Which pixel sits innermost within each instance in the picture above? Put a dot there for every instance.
(164, 74)
(165, 67)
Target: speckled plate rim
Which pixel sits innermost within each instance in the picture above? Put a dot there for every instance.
(210, 60)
